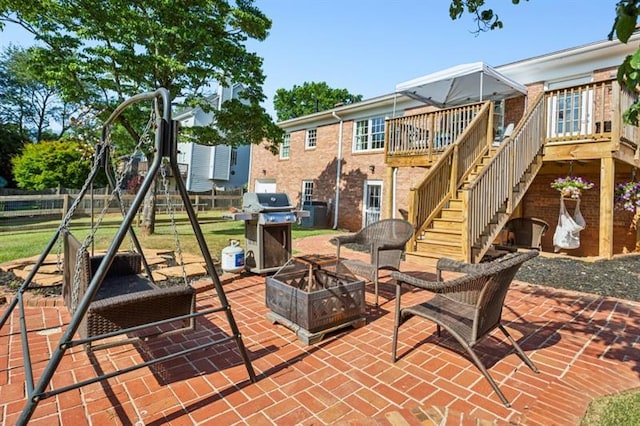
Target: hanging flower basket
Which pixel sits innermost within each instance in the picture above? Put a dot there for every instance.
(627, 197)
(571, 186)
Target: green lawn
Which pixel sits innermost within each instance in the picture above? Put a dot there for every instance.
(217, 233)
(614, 410)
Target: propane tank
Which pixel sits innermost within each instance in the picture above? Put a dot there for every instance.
(233, 257)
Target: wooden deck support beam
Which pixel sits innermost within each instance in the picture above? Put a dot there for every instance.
(607, 176)
(389, 191)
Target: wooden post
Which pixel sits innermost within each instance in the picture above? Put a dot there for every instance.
(453, 178)
(388, 195)
(411, 244)
(490, 127)
(65, 205)
(432, 134)
(465, 240)
(607, 175)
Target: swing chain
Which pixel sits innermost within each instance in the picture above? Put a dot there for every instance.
(172, 215)
(74, 206)
(144, 139)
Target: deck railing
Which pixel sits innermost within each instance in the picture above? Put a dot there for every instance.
(444, 177)
(585, 112)
(427, 134)
(493, 188)
(628, 133)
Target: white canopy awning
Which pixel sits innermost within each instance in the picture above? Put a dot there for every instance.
(460, 85)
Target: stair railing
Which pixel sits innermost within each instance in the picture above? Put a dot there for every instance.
(447, 174)
(494, 189)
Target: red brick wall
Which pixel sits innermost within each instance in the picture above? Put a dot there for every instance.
(543, 202)
(513, 110)
(320, 164)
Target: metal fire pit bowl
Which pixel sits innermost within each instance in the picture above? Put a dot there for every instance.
(314, 295)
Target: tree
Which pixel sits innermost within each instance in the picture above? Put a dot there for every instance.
(309, 98)
(51, 164)
(100, 53)
(10, 145)
(623, 27)
(27, 101)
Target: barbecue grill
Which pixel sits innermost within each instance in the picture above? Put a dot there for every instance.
(267, 229)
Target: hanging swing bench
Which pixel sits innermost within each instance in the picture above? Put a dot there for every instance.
(126, 298)
(113, 297)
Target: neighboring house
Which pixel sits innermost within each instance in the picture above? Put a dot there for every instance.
(460, 167)
(207, 167)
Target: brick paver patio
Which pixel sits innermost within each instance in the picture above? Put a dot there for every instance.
(584, 346)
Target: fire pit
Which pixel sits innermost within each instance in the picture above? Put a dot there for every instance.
(314, 295)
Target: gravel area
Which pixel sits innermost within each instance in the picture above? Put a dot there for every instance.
(618, 277)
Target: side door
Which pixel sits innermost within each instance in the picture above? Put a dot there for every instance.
(372, 202)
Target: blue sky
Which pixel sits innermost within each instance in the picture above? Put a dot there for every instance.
(368, 46)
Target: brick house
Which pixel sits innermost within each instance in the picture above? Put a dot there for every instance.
(451, 169)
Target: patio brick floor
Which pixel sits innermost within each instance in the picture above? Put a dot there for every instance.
(584, 346)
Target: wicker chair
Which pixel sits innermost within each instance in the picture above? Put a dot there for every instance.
(386, 241)
(523, 232)
(468, 307)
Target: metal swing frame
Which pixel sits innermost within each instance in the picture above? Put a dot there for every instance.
(165, 146)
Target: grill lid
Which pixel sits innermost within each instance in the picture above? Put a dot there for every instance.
(256, 202)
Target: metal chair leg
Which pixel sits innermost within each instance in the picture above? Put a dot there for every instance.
(518, 349)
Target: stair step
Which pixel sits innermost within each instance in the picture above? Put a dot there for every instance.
(451, 214)
(421, 258)
(455, 204)
(442, 235)
(439, 248)
(453, 223)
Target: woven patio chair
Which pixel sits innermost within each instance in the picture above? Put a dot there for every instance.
(385, 240)
(468, 307)
(523, 232)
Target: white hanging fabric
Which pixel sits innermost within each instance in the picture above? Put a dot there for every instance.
(567, 235)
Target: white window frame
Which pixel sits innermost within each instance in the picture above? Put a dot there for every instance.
(579, 120)
(367, 132)
(307, 190)
(371, 214)
(311, 139)
(285, 147)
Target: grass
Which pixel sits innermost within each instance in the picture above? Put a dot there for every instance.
(614, 410)
(216, 231)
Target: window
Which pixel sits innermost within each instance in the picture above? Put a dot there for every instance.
(285, 147)
(234, 157)
(307, 190)
(369, 134)
(570, 113)
(310, 141)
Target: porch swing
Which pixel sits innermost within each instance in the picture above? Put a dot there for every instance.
(108, 295)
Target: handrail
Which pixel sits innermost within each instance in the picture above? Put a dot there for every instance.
(486, 195)
(447, 174)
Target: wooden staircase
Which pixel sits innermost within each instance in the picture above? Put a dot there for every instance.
(444, 237)
(469, 216)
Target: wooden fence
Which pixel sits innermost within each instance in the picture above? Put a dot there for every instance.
(17, 206)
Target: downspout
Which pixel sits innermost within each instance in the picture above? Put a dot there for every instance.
(394, 189)
(338, 172)
(250, 165)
